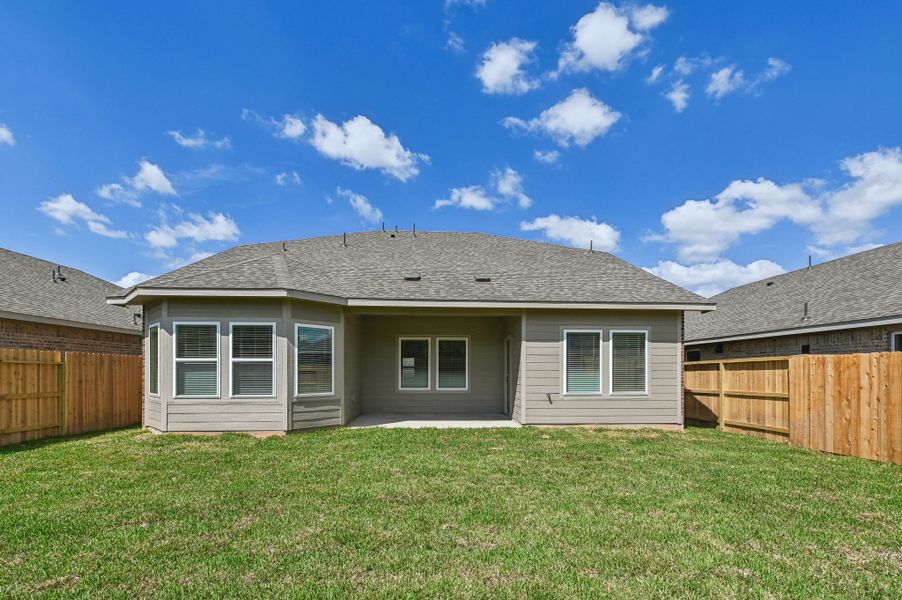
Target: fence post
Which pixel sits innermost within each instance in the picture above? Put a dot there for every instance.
(61, 392)
(721, 403)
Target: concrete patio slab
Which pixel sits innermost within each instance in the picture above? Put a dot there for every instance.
(439, 421)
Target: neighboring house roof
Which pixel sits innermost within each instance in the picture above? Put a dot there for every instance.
(858, 290)
(372, 268)
(28, 291)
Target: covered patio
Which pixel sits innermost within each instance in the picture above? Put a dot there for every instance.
(433, 420)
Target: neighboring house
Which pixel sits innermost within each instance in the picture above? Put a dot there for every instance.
(315, 332)
(851, 304)
(45, 306)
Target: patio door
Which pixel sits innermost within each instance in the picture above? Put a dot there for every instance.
(508, 391)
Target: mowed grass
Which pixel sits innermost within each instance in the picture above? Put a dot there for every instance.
(446, 513)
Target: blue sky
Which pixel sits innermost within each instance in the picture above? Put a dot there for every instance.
(714, 143)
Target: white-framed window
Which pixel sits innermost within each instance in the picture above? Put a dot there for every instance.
(196, 359)
(582, 361)
(153, 359)
(452, 363)
(414, 357)
(314, 360)
(896, 341)
(252, 360)
(629, 362)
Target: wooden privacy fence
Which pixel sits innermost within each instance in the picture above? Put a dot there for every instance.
(841, 403)
(46, 393)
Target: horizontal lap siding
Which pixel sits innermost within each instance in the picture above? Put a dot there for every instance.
(152, 412)
(315, 413)
(544, 347)
(225, 416)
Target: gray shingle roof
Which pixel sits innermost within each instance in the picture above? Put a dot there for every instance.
(373, 266)
(860, 287)
(27, 288)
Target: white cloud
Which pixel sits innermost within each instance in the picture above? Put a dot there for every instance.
(132, 279)
(678, 95)
(288, 177)
(509, 184)
(455, 42)
(729, 79)
(199, 140)
(475, 3)
(291, 127)
(67, 210)
(876, 188)
(655, 75)
(6, 135)
(578, 119)
(603, 38)
(702, 229)
(711, 278)
(364, 209)
(843, 215)
(648, 17)
(473, 197)
(576, 231)
(550, 157)
(501, 70)
(151, 177)
(361, 144)
(118, 193)
(196, 228)
(725, 81)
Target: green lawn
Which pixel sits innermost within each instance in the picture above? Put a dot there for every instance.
(546, 512)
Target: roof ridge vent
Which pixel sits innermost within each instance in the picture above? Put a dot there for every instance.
(412, 277)
(482, 278)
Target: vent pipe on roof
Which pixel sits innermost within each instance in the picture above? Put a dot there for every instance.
(591, 245)
(344, 239)
(383, 226)
(58, 274)
(284, 247)
(805, 316)
(414, 230)
(809, 261)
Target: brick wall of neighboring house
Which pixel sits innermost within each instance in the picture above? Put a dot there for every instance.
(845, 341)
(41, 336)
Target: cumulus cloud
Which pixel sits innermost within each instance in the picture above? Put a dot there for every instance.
(288, 127)
(195, 228)
(132, 279)
(501, 67)
(151, 177)
(605, 37)
(6, 135)
(362, 206)
(841, 215)
(361, 144)
(655, 75)
(728, 80)
(473, 197)
(509, 184)
(67, 210)
(199, 140)
(118, 193)
(288, 177)
(711, 278)
(678, 95)
(576, 231)
(549, 157)
(578, 119)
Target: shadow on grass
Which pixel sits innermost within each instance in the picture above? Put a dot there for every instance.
(58, 439)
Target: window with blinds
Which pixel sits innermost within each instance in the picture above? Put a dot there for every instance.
(452, 363)
(628, 362)
(253, 359)
(153, 359)
(197, 359)
(414, 355)
(896, 345)
(582, 362)
(314, 346)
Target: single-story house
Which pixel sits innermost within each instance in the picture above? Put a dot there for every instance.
(316, 332)
(851, 304)
(45, 306)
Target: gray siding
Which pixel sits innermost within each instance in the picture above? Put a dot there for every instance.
(379, 365)
(353, 327)
(544, 377)
(318, 411)
(153, 405)
(514, 330)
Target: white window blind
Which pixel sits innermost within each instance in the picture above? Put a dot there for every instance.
(197, 359)
(153, 360)
(452, 364)
(583, 362)
(414, 355)
(628, 362)
(314, 360)
(253, 362)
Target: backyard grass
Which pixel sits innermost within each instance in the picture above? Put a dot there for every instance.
(511, 512)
